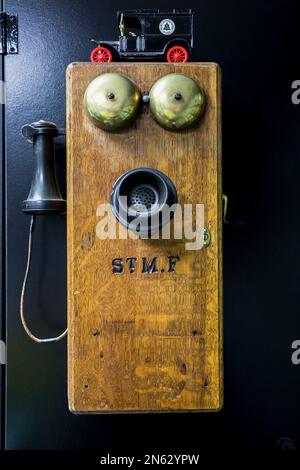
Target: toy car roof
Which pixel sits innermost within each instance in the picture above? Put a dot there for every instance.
(154, 12)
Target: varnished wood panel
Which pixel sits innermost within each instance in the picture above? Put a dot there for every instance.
(143, 342)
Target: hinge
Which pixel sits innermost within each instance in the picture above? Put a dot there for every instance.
(9, 32)
(2, 353)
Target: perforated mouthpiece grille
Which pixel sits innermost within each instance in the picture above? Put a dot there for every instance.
(142, 198)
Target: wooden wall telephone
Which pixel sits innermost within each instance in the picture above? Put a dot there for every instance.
(144, 313)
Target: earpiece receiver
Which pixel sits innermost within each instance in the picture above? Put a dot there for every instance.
(112, 101)
(141, 198)
(176, 101)
(44, 196)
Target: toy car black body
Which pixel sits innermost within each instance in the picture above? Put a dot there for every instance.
(149, 34)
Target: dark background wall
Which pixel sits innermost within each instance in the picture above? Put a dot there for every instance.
(256, 44)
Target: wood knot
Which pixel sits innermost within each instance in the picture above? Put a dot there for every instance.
(206, 382)
(87, 241)
(182, 366)
(178, 389)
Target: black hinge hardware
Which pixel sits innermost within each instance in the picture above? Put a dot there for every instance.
(9, 32)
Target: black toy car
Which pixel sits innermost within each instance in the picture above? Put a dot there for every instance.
(149, 34)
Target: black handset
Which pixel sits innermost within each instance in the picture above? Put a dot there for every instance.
(44, 196)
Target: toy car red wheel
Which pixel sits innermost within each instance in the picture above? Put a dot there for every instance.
(177, 54)
(101, 54)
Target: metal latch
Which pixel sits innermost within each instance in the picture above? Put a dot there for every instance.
(9, 32)
(2, 353)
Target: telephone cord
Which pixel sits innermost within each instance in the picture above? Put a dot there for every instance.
(24, 323)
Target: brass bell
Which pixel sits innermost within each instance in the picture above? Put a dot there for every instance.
(112, 101)
(176, 102)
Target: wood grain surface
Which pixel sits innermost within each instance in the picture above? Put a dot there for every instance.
(141, 342)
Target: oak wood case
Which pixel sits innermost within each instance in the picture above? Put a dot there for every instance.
(141, 342)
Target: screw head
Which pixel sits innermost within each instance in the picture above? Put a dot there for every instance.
(178, 96)
(206, 238)
(146, 99)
